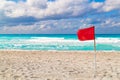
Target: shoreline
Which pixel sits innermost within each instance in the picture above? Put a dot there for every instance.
(60, 50)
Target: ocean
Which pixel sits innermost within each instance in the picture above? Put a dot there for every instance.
(64, 42)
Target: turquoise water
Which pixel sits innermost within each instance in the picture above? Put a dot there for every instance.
(104, 42)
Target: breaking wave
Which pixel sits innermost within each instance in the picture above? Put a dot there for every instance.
(58, 43)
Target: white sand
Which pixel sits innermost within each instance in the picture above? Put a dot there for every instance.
(54, 65)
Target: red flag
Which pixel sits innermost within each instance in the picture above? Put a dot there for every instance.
(86, 34)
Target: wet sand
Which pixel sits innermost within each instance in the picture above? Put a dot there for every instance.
(58, 65)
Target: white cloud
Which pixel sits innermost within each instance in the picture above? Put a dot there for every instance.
(50, 26)
(61, 26)
(96, 5)
(44, 9)
(16, 29)
(111, 5)
(37, 3)
(60, 9)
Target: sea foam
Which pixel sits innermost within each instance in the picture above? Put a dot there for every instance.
(58, 43)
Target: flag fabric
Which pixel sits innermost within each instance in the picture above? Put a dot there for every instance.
(86, 34)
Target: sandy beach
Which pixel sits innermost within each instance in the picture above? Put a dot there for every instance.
(58, 65)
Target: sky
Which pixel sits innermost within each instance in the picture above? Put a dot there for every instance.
(59, 16)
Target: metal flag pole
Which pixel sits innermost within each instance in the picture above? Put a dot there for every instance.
(95, 67)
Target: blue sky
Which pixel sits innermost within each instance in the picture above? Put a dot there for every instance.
(59, 16)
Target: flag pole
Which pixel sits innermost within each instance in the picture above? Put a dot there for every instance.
(95, 67)
(94, 40)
